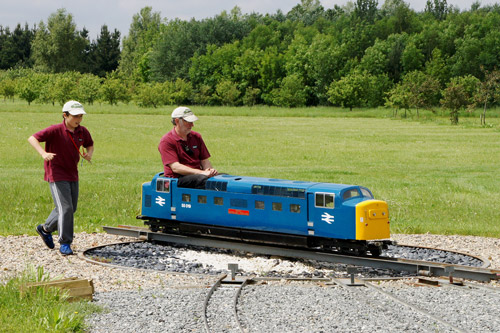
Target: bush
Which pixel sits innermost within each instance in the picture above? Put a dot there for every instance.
(8, 88)
(251, 96)
(291, 93)
(113, 91)
(149, 94)
(350, 91)
(228, 93)
(88, 88)
(182, 92)
(65, 87)
(28, 87)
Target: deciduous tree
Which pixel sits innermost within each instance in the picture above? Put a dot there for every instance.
(488, 92)
(28, 87)
(459, 95)
(350, 91)
(88, 88)
(58, 46)
(8, 88)
(113, 90)
(143, 34)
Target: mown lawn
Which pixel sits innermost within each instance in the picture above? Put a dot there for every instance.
(437, 178)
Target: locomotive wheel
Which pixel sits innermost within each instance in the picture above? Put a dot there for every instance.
(376, 252)
(356, 252)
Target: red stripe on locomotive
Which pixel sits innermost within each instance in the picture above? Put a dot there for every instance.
(238, 212)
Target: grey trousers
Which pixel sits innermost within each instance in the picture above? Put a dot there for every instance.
(65, 195)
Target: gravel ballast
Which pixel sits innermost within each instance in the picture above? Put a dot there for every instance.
(159, 301)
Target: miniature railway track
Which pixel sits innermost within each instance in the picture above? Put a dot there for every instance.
(415, 308)
(220, 307)
(395, 298)
(483, 294)
(220, 316)
(419, 304)
(474, 288)
(396, 264)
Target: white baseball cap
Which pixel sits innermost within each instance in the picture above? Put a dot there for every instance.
(184, 113)
(74, 108)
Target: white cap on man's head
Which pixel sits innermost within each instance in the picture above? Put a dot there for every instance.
(184, 113)
(74, 108)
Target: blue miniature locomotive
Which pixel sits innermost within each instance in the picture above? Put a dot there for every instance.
(298, 213)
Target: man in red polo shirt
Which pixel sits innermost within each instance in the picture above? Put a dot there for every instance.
(183, 152)
(61, 156)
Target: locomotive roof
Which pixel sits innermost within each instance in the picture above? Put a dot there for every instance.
(242, 184)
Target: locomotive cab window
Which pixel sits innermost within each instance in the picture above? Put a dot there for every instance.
(351, 193)
(366, 193)
(186, 197)
(202, 199)
(219, 201)
(324, 200)
(277, 206)
(163, 185)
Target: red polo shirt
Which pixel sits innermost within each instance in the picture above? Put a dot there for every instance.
(57, 140)
(190, 153)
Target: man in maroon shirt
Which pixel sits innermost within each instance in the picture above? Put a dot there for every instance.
(61, 156)
(183, 152)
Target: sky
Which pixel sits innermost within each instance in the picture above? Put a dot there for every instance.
(117, 14)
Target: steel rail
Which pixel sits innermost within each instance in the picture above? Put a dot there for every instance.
(492, 291)
(235, 304)
(365, 283)
(207, 299)
(414, 307)
(474, 288)
(223, 280)
(401, 265)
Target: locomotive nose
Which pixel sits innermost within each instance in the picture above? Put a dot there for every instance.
(372, 220)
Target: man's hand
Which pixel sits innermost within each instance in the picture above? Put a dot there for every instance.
(210, 172)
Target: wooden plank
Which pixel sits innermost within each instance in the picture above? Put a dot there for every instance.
(61, 284)
(76, 292)
(77, 288)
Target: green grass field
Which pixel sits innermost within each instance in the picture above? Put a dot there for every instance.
(44, 310)
(437, 178)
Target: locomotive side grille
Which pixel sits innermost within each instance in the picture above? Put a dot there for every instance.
(279, 191)
(216, 186)
(242, 203)
(147, 200)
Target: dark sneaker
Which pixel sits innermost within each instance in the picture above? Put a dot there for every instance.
(65, 249)
(46, 236)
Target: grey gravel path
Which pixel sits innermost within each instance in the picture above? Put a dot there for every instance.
(155, 310)
(154, 301)
(302, 307)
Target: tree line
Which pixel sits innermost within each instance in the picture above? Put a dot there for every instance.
(357, 55)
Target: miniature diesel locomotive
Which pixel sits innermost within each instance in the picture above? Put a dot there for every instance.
(325, 216)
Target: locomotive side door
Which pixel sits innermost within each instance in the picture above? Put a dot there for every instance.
(321, 214)
(310, 214)
(162, 198)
